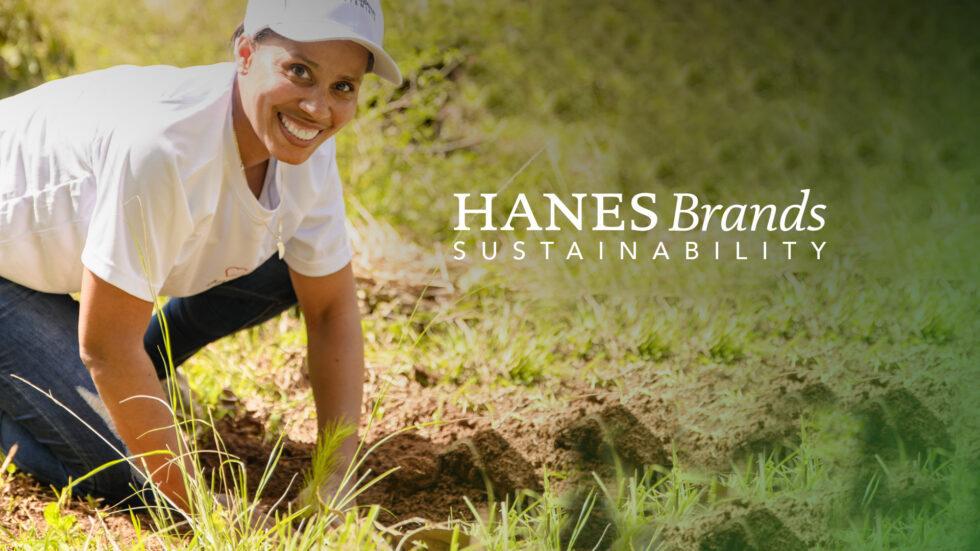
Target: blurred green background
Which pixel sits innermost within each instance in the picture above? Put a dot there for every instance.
(872, 105)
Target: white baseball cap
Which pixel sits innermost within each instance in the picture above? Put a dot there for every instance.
(359, 21)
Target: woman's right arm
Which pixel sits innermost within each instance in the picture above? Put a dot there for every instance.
(110, 331)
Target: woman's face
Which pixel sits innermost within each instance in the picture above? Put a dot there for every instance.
(296, 95)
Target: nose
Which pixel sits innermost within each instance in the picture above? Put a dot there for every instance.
(317, 104)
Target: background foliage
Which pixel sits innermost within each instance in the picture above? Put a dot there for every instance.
(872, 105)
(30, 52)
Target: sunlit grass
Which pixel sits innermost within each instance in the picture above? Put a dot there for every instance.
(768, 99)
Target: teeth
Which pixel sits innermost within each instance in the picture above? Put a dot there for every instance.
(298, 131)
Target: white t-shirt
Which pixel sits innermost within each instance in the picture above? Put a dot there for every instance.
(134, 173)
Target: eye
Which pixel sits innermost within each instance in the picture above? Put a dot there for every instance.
(299, 71)
(345, 87)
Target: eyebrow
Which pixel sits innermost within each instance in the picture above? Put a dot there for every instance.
(304, 59)
(315, 65)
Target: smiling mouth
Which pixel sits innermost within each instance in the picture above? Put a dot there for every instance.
(294, 130)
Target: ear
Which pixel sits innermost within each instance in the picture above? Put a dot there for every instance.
(244, 50)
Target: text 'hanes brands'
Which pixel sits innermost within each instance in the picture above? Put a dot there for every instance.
(553, 214)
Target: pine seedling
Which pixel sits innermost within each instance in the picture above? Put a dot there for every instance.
(324, 464)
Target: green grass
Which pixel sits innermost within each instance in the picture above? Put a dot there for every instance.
(738, 104)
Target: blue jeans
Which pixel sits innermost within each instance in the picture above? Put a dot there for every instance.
(39, 343)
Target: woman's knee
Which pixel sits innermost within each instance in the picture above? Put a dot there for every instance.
(110, 479)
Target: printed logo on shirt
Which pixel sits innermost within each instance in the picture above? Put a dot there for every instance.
(234, 271)
(231, 272)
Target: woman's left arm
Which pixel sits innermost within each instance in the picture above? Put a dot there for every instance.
(335, 350)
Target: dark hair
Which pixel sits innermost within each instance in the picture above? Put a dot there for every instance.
(267, 32)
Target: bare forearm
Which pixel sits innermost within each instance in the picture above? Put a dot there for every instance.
(111, 324)
(128, 386)
(336, 362)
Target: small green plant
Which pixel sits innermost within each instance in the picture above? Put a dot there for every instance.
(62, 526)
(726, 350)
(323, 466)
(525, 371)
(653, 348)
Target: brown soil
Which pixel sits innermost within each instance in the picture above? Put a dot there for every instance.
(577, 431)
(753, 530)
(24, 500)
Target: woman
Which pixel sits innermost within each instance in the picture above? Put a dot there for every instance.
(217, 185)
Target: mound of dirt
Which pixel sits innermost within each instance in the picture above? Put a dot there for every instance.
(899, 434)
(462, 455)
(244, 436)
(898, 423)
(488, 458)
(614, 433)
(756, 530)
(435, 470)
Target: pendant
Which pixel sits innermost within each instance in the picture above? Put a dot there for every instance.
(279, 244)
